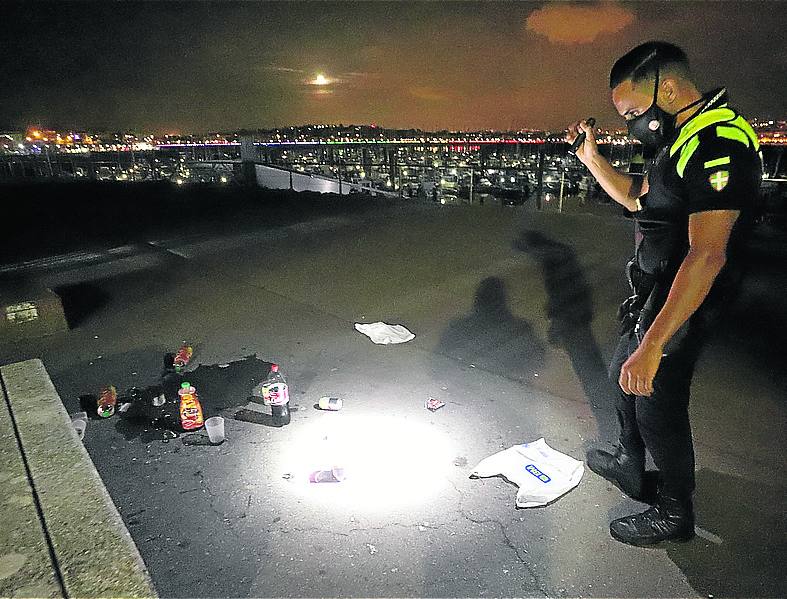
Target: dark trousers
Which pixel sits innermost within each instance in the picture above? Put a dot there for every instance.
(660, 422)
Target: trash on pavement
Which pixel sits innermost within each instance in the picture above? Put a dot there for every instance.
(215, 428)
(433, 404)
(541, 473)
(384, 334)
(334, 475)
(274, 392)
(79, 420)
(182, 357)
(190, 409)
(331, 404)
(107, 401)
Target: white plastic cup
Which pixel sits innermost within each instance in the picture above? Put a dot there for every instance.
(79, 420)
(215, 428)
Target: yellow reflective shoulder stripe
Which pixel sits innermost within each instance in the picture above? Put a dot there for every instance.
(695, 125)
(686, 152)
(742, 124)
(717, 162)
(733, 133)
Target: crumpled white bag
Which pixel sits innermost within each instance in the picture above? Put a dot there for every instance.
(541, 473)
(384, 334)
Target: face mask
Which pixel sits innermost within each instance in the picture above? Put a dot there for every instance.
(653, 127)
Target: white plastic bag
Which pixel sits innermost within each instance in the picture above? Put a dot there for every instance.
(541, 473)
(383, 333)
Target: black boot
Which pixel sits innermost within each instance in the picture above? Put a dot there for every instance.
(671, 519)
(625, 469)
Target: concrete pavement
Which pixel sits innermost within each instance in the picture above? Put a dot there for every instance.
(513, 313)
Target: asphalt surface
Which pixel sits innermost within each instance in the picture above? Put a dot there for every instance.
(513, 313)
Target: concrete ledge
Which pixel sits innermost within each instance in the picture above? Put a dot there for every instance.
(91, 547)
(29, 310)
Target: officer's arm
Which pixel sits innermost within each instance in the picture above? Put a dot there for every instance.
(709, 233)
(624, 189)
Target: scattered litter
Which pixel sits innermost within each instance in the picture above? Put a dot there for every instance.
(433, 404)
(444, 388)
(708, 536)
(421, 527)
(472, 365)
(331, 404)
(182, 357)
(95, 336)
(372, 548)
(535, 374)
(99, 357)
(124, 407)
(334, 369)
(107, 401)
(79, 420)
(541, 473)
(384, 334)
(224, 365)
(215, 428)
(394, 570)
(334, 475)
(134, 373)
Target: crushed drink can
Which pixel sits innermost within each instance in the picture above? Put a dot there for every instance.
(334, 475)
(433, 404)
(331, 404)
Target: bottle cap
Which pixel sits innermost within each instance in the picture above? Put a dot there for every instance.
(185, 385)
(274, 368)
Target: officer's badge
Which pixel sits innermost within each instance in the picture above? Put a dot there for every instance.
(719, 180)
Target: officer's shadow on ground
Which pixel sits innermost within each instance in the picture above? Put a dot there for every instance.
(223, 389)
(743, 556)
(569, 309)
(491, 337)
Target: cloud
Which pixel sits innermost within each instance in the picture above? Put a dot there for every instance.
(430, 94)
(564, 23)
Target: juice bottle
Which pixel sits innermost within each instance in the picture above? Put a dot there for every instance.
(107, 401)
(190, 409)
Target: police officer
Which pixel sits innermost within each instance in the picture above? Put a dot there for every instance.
(691, 210)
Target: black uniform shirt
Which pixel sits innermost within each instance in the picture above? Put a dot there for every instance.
(722, 174)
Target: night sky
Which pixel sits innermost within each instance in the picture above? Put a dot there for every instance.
(202, 66)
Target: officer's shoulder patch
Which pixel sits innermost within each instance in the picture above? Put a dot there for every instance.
(719, 179)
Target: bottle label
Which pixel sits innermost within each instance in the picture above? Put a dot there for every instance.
(275, 394)
(190, 412)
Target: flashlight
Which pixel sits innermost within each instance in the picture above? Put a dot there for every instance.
(581, 137)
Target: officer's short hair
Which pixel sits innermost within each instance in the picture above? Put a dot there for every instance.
(641, 63)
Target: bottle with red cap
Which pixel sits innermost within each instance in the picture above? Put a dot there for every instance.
(276, 394)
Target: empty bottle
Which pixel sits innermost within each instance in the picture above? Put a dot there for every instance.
(190, 409)
(107, 400)
(276, 394)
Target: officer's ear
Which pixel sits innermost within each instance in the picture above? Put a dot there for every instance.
(669, 90)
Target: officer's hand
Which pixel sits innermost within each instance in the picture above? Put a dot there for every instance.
(638, 372)
(589, 148)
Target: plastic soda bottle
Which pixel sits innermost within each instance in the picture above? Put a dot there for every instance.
(183, 357)
(276, 394)
(107, 401)
(190, 409)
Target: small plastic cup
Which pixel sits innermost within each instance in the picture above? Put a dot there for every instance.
(215, 428)
(79, 420)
